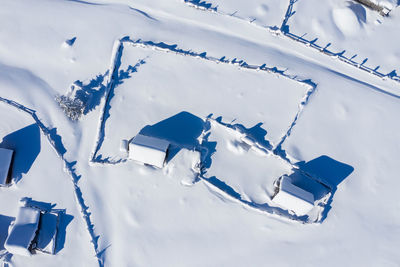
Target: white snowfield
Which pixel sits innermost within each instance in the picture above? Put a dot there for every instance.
(242, 91)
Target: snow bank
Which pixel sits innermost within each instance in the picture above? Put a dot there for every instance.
(23, 231)
(5, 162)
(148, 150)
(185, 166)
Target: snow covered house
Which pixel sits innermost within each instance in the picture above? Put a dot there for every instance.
(5, 165)
(148, 150)
(33, 229)
(23, 232)
(292, 197)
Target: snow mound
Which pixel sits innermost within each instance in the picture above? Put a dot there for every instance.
(184, 166)
(347, 20)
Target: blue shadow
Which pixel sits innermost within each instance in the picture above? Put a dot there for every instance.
(331, 172)
(90, 94)
(26, 145)
(5, 222)
(182, 130)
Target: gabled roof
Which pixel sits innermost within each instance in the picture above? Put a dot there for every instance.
(5, 163)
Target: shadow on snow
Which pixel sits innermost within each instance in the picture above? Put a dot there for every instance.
(26, 145)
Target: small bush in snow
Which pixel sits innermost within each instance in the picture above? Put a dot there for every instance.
(72, 107)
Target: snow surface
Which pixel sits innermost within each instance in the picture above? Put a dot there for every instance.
(161, 68)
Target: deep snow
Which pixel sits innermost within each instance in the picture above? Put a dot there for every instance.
(176, 65)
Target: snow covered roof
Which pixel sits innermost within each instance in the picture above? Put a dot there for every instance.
(46, 237)
(293, 197)
(148, 150)
(23, 231)
(5, 162)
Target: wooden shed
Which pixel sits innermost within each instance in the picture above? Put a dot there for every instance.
(293, 198)
(6, 156)
(148, 150)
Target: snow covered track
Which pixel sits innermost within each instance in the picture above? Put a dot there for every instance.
(58, 147)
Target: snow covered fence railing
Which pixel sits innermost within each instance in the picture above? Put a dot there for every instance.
(202, 5)
(6, 160)
(114, 65)
(203, 55)
(284, 31)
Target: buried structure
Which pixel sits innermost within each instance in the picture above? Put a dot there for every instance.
(148, 150)
(292, 197)
(6, 156)
(33, 230)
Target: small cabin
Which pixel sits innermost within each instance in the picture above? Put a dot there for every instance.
(292, 197)
(6, 156)
(23, 232)
(148, 150)
(33, 230)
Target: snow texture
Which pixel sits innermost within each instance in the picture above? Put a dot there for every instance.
(148, 150)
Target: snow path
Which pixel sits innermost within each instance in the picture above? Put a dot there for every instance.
(57, 145)
(283, 30)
